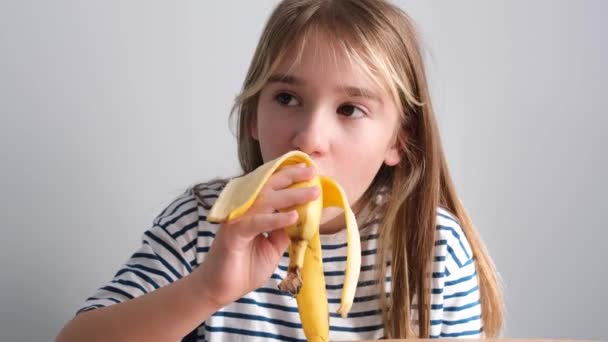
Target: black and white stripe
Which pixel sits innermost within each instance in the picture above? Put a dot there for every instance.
(181, 236)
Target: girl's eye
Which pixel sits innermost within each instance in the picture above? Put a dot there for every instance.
(351, 111)
(286, 99)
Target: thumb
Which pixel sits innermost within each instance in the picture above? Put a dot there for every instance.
(279, 240)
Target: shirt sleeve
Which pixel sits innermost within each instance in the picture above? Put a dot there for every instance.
(461, 308)
(167, 253)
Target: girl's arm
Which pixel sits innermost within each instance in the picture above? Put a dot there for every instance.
(240, 260)
(167, 314)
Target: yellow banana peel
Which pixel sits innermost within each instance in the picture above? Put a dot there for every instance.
(305, 279)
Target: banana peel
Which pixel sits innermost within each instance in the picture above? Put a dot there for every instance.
(304, 279)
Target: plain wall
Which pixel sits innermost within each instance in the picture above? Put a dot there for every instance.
(110, 109)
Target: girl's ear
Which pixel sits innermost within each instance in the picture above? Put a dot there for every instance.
(392, 156)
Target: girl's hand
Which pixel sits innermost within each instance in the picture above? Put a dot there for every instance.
(241, 259)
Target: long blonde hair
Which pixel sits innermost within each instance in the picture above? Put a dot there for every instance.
(381, 38)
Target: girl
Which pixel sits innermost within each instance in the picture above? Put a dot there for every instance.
(343, 81)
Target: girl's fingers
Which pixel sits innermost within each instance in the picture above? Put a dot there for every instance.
(272, 219)
(272, 201)
(264, 215)
(289, 175)
(288, 198)
(256, 224)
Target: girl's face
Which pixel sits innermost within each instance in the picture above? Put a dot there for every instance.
(333, 112)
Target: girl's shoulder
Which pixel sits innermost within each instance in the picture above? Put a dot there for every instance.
(201, 195)
(451, 238)
(207, 193)
(189, 209)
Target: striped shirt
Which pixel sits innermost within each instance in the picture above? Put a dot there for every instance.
(181, 236)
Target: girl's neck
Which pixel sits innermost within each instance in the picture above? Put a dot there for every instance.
(332, 220)
(333, 225)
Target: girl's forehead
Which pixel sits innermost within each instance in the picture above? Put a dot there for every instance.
(316, 54)
(316, 47)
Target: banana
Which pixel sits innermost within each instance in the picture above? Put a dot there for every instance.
(304, 278)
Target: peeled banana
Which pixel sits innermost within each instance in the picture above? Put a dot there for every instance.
(304, 279)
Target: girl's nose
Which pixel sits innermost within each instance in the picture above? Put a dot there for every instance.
(313, 134)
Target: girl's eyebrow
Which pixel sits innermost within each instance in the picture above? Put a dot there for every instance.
(350, 90)
(284, 78)
(361, 92)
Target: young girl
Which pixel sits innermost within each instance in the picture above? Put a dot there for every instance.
(344, 82)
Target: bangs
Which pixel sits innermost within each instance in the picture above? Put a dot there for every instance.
(344, 50)
(348, 35)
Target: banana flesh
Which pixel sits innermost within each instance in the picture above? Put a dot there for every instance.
(305, 279)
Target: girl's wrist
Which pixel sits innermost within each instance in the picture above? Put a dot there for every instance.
(199, 288)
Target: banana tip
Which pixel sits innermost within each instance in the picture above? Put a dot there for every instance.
(292, 282)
